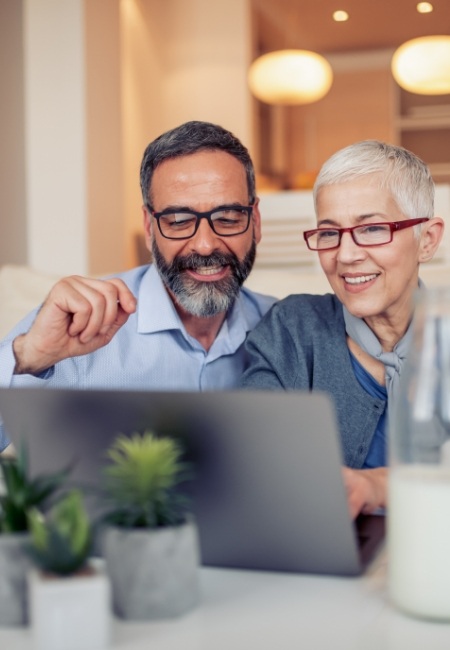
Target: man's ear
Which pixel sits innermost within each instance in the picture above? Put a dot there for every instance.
(256, 216)
(430, 238)
(147, 227)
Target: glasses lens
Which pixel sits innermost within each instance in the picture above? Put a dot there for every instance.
(322, 239)
(225, 222)
(373, 234)
(178, 224)
(231, 221)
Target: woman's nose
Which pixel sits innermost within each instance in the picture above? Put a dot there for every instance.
(348, 249)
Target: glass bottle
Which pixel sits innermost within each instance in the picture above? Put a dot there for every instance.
(419, 459)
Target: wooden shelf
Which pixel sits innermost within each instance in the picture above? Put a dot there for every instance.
(422, 123)
(410, 123)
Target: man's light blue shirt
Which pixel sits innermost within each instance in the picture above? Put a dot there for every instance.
(152, 351)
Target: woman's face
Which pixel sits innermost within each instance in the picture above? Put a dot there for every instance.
(375, 283)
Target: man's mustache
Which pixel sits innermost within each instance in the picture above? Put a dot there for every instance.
(194, 261)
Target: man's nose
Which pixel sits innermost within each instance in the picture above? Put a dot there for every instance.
(205, 239)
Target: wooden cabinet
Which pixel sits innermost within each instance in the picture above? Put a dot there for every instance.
(292, 141)
(364, 103)
(422, 125)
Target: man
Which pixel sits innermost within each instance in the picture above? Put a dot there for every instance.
(178, 324)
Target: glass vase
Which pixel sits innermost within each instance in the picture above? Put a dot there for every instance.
(419, 458)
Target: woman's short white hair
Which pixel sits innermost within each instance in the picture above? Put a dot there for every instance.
(406, 176)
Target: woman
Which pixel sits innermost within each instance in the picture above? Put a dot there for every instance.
(374, 204)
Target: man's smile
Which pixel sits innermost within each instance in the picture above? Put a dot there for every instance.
(208, 271)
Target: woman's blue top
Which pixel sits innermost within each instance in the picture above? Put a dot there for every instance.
(376, 456)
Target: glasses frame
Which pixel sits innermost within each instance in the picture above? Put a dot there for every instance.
(394, 226)
(202, 215)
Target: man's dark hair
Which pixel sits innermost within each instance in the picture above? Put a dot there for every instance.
(187, 139)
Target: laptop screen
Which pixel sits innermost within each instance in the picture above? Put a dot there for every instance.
(267, 491)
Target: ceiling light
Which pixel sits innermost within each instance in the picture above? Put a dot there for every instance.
(340, 16)
(422, 65)
(290, 77)
(424, 7)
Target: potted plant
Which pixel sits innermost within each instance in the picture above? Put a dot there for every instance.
(19, 492)
(69, 594)
(150, 544)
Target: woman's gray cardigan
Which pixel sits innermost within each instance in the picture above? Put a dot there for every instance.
(301, 344)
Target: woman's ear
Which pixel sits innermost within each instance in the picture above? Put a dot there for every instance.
(430, 238)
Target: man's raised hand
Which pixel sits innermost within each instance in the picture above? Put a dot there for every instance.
(78, 316)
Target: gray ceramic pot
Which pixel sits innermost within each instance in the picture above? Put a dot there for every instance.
(14, 566)
(154, 573)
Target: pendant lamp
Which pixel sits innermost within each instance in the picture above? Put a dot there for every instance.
(422, 65)
(290, 77)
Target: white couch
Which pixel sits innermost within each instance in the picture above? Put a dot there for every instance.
(22, 289)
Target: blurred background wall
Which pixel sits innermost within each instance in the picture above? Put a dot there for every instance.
(86, 84)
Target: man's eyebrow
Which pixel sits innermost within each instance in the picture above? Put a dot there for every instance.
(175, 208)
(360, 219)
(186, 208)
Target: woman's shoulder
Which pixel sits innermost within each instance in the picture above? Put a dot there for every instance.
(304, 317)
(303, 304)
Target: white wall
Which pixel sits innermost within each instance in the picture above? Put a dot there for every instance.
(55, 135)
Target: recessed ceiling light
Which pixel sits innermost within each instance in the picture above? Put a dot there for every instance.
(341, 16)
(424, 7)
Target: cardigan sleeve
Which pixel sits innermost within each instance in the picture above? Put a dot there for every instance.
(271, 355)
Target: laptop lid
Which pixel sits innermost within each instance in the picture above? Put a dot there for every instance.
(268, 492)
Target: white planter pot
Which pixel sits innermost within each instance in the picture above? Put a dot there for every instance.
(154, 573)
(70, 613)
(14, 566)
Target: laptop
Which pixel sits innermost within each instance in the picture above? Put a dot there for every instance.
(267, 491)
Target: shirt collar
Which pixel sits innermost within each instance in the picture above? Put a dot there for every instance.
(157, 313)
(233, 332)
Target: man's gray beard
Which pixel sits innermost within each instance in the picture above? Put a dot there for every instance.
(204, 299)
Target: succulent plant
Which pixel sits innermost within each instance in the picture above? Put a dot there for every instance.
(61, 540)
(141, 480)
(20, 492)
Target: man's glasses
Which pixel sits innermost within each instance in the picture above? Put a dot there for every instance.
(371, 234)
(225, 221)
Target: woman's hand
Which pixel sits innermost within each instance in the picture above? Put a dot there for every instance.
(366, 489)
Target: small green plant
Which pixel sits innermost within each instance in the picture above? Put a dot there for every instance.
(20, 493)
(141, 479)
(61, 540)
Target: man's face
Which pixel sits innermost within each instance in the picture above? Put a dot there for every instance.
(203, 273)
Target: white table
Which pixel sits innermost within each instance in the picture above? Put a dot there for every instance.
(255, 610)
